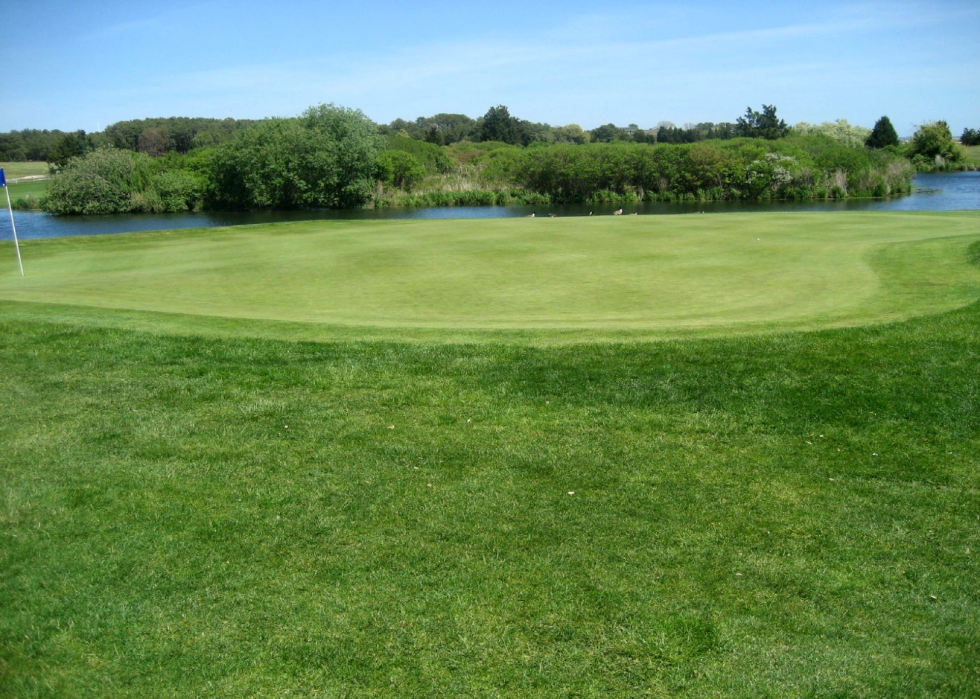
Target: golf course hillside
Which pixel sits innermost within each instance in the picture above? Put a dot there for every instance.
(585, 278)
(728, 456)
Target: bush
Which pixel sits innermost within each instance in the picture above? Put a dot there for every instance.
(932, 140)
(738, 169)
(27, 202)
(110, 181)
(406, 171)
(100, 182)
(177, 190)
(329, 157)
(432, 157)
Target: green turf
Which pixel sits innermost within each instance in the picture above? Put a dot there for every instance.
(971, 154)
(24, 169)
(577, 278)
(27, 189)
(18, 190)
(188, 513)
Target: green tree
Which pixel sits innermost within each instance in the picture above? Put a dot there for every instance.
(571, 133)
(764, 124)
(672, 134)
(970, 137)
(933, 140)
(406, 171)
(154, 140)
(608, 133)
(28, 144)
(176, 190)
(411, 129)
(215, 132)
(498, 125)
(432, 157)
(347, 147)
(329, 157)
(11, 148)
(433, 136)
(70, 146)
(449, 127)
(101, 182)
(841, 131)
(882, 135)
(125, 134)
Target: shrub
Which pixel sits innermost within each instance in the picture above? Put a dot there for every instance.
(28, 202)
(100, 182)
(430, 156)
(931, 140)
(406, 171)
(329, 157)
(177, 190)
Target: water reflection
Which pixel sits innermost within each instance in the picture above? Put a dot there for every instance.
(933, 192)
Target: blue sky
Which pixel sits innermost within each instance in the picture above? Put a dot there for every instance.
(71, 65)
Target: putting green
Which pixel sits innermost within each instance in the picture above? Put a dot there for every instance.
(608, 277)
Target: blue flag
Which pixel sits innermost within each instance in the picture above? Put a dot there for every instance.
(3, 182)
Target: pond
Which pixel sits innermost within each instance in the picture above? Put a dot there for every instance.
(932, 192)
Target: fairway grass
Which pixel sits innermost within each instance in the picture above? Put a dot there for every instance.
(192, 506)
(24, 169)
(551, 279)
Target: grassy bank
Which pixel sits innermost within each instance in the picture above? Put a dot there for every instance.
(970, 162)
(191, 513)
(27, 195)
(971, 156)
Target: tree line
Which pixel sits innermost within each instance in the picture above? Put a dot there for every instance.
(155, 137)
(333, 157)
(498, 125)
(160, 136)
(796, 168)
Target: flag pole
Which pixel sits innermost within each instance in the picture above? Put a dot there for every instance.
(10, 209)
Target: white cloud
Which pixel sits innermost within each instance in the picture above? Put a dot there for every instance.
(590, 69)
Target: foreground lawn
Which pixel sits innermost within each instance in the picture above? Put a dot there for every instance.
(202, 514)
(572, 278)
(784, 516)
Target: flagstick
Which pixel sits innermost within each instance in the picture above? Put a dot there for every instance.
(16, 244)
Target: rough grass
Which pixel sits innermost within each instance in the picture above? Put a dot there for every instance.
(190, 514)
(783, 516)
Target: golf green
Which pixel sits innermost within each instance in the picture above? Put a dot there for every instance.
(566, 277)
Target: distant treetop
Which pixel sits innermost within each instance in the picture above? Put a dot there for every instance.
(882, 135)
(764, 124)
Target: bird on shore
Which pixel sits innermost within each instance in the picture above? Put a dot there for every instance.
(618, 212)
